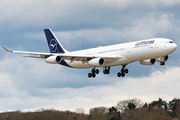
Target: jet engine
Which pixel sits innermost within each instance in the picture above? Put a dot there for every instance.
(96, 62)
(53, 59)
(148, 62)
(162, 59)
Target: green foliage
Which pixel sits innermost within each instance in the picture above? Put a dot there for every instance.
(112, 110)
(173, 114)
(174, 108)
(160, 103)
(114, 114)
(173, 104)
(131, 106)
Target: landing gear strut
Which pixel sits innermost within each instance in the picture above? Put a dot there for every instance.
(93, 73)
(123, 71)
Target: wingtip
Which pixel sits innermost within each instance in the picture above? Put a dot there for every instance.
(7, 49)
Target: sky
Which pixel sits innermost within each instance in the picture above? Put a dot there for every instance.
(29, 84)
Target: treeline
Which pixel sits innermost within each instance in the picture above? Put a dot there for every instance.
(43, 115)
(134, 109)
(131, 109)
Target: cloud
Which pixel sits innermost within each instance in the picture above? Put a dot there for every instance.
(76, 14)
(40, 85)
(163, 3)
(140, 30)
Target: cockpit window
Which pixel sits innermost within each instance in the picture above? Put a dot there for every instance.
(171, 42)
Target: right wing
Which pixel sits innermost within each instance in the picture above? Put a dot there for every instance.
(68, 56)
(40, 55)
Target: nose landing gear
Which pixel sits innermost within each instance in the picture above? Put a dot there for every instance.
(163, 60)
(123, 72)
(162, 63)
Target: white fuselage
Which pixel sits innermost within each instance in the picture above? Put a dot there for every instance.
(130, 52)
(147, 52)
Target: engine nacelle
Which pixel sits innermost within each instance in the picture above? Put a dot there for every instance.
(53, 59)
(162, 59)
(96, 62)
(148, 62)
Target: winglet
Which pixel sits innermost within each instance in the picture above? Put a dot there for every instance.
(7, 49)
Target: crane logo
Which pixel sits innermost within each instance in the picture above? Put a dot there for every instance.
(53, 45)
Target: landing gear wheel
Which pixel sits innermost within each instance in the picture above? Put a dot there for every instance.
(126, 71)
(93, 71)
(119, 74)
(107, 71)
(89, 75)
(93, 75)
(123, 75)
(104, 71)
(162, 63)
(97, 71)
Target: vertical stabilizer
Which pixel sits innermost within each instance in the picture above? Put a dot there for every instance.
(53, 43)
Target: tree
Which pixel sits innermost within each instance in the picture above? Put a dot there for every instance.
(128, 104)
(159, 103)
(174, 108)
(131, 106)
(80, 111)
(98, 113)
(112, 110)
(114, 114)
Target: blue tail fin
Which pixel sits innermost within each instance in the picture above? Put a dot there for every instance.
(53, 43)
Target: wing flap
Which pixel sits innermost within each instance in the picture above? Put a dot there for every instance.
(33, 56)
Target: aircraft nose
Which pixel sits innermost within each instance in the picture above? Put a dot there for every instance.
(171, 47)
(175, 46)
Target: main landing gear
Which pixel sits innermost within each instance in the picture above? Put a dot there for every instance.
(123, 71)
(93, 73)
(106, 70)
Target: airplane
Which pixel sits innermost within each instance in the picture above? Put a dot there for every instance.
(147, 52)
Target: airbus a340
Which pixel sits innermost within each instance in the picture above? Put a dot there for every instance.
(147, 52)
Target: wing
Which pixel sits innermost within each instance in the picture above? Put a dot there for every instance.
(68, 56)
(38, 54)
